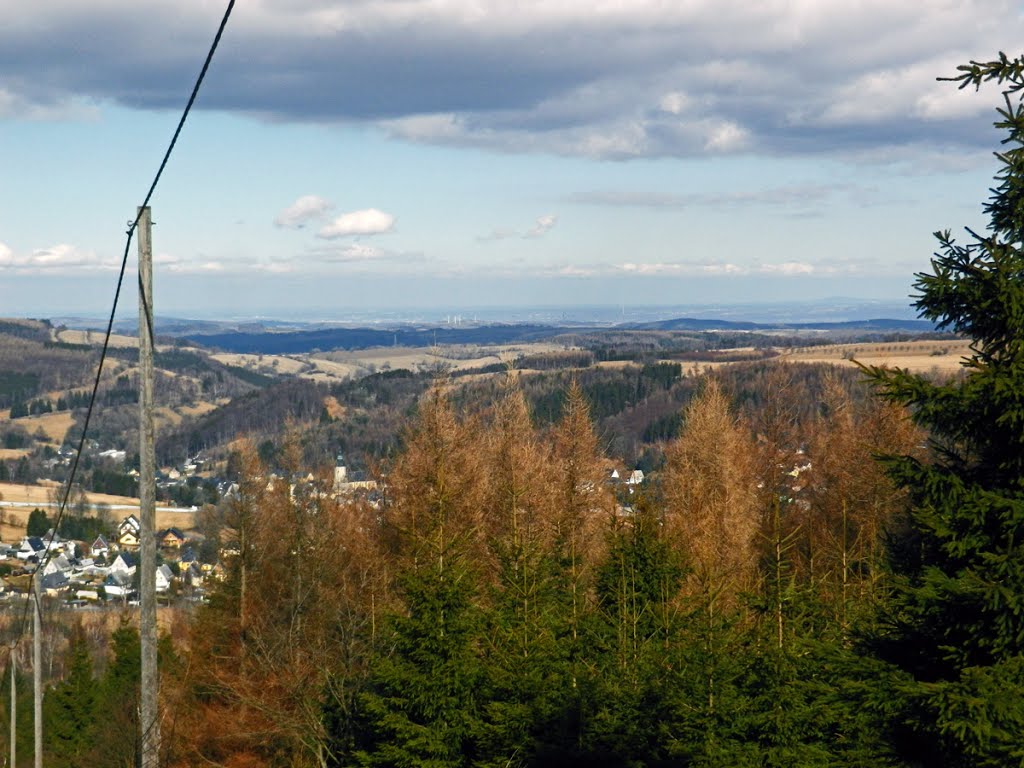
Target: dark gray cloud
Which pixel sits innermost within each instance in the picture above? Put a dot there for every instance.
(613, 81)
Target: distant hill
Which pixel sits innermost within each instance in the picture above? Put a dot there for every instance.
(886, 325)
(298, 342)
(270, 342)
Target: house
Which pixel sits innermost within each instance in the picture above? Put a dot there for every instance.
(170, 538)
(54, 544)
(118, 584)
(164, 577)
(53, 583)
(100, 547)
(128, 533)
(123, 563)
(58, 564)
(31, 546)
(192, 575)
(113, 455)
(635, 477)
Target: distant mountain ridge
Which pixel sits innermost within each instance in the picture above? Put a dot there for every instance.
(882, 324)
(297, 342)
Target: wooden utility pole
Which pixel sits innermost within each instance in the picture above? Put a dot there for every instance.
(37, 667)
(149, 723)
(14, 711)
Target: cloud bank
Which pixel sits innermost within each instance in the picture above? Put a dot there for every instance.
(601, 79)
(62, 257)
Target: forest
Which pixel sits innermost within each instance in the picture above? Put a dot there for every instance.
(819, 571)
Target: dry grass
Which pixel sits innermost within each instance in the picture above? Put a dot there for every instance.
(11, 454)
(15, 518)
(54, 425)
(69, 336)
(917, 356)
(38, 494)
(200, 408)
(339, 365)
(269, 364)
(334, 409)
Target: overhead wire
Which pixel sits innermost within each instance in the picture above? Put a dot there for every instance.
(133, 225)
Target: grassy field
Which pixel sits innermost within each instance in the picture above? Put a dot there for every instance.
(918, 356)
(70, 336)
(15, 518)
(54, 425)
(341, 365)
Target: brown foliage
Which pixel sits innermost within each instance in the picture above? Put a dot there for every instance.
(710, 489)
(296, 624)
(851, 500)
(437, 489)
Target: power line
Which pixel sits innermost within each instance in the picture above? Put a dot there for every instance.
(48, 551)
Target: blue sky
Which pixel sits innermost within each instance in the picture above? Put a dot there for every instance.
(457, 153)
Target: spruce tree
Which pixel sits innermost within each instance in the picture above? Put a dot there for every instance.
(523, 662)
(69, 710)
(635, 626)
(954, 634)
(421, 705)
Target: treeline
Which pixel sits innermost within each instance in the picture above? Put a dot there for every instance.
(507, 605)
(257, 412)
(31, 366)
(636, 408)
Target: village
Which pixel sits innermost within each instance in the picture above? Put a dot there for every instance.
(104, 571)
(91, 573)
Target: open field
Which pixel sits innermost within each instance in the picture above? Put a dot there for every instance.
(70, 336)
(458, 357)
(40, 494)
(54, 425)
(340, 365)
(268, 364)
(15, 518)
(917, 356)
(13, 454)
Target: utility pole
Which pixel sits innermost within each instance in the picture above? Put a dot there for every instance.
(149, 723)
(37, 668)
(14, 710)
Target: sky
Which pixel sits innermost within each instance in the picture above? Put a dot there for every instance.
(448, 154)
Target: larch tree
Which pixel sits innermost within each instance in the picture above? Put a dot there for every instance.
(521, 651)
(711, 515)
(851, 502)
(582, 505)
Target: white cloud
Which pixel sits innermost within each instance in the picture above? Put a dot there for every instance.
(499, 233)
(607, 79)
(358, 252)
(366, 222)
(304, 210)
(682, 268)
(674, 102)
(544, 225)
(726, 137)
(197, 268)
(62, 257)
(787, 268)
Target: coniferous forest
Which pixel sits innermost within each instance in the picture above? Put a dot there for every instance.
(839, 583)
